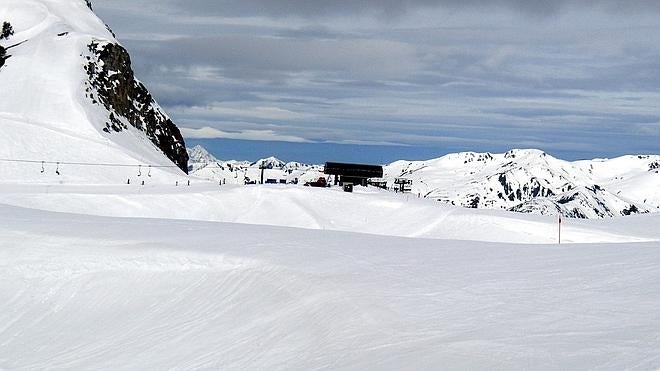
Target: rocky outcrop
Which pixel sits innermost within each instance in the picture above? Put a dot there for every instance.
(7, 30)
(3, 56)
(5, 33)
(533, 181)
(583, 202)
(112, 83)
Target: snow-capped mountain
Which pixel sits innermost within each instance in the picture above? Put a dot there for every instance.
(527, 180)
(199, 158)
(199, 155)
(204, 165)
(269, 163)
(533, 181)
(69, 96)
(581, 202)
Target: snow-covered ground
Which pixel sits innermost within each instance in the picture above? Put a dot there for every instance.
(367, 210)
(86, 292)
(209, 277)
(98, 271)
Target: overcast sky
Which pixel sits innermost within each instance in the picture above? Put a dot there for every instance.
(576, 78)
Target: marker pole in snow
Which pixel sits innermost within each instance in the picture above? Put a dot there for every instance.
(559, 228)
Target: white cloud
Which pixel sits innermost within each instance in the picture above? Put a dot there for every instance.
(249, 112)
(370, 143)
(261, 135)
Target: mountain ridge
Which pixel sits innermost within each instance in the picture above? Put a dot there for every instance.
(520, 180)
(529, 180)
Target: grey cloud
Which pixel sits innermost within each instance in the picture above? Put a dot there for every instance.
(580, 81)
(253, 57)
(394, 8)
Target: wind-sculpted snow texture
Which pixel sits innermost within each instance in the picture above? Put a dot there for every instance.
(81, 292)
(533, 181)
(69, 95)
(366, 210)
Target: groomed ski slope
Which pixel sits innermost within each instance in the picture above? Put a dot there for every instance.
(89, 292)
(368, 210)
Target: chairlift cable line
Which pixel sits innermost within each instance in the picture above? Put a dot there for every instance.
(82, 163)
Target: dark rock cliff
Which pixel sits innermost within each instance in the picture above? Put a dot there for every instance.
(112, 84)
(3, 56)
(7, 31)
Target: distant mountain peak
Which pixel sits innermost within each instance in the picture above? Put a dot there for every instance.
(199, 154)
(270, 163)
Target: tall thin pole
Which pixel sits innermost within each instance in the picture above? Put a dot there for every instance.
(559, 227)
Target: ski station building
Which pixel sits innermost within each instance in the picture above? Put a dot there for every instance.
(353, 174)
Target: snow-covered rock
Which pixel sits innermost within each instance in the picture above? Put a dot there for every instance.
(293, 165)
(199, 158)
(200, 155)
(269, 163)
(69, 96)
(582, 202)
(533, 181)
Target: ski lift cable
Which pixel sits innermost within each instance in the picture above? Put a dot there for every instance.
(82, 163)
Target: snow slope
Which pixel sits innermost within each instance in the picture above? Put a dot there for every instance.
(46, 112)
(215, 277)
(81, 292)
(96, 273)
(367, 210)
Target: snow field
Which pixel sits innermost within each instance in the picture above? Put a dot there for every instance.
(85, 292)
(368, 210)
(99, 274)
